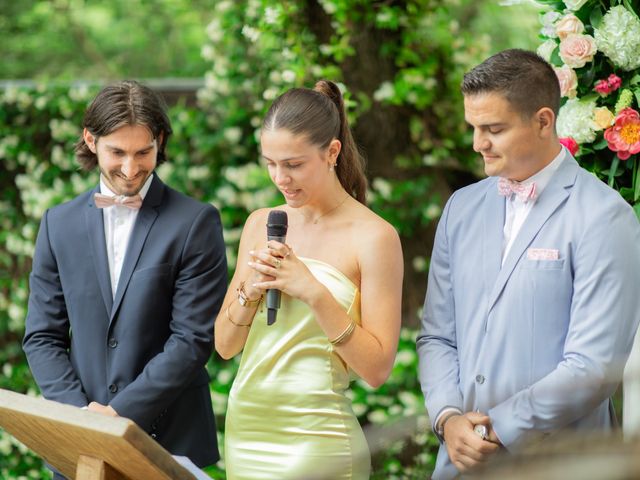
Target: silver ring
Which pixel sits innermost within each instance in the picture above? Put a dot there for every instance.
(481, 430)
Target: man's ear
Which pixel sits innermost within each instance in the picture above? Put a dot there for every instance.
(90, 140)
(546, 122)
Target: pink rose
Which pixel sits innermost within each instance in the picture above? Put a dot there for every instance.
(602, 87)
(567, 25)
(624, 136)
(571, 145)
(568, 81)
(576, 49)
(614, 81)
(611, 84)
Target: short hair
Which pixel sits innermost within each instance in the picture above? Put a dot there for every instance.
(122, 104)
(524, 78)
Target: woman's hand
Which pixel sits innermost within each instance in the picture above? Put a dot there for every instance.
(277, 267)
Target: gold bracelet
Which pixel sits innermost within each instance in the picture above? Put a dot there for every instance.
(246, 325)
(344, 336)
(244, 300)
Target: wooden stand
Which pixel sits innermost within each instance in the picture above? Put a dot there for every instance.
(85, 445)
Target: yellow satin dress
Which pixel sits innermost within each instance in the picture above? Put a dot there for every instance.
(288, 416)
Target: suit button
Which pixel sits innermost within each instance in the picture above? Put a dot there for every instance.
(480, 379)
(113, 343)
(154, 436)
(113, 388)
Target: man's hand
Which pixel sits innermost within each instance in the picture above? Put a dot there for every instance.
(103, 409)
(465, 447)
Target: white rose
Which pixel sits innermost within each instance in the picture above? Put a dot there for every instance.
(545, 50)
(576, 50)
(567, 25)
(568, 81)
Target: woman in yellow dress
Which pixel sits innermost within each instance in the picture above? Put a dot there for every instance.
(340, 274)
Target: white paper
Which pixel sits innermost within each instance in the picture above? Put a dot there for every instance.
(193, 469)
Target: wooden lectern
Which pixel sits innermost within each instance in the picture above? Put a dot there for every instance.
(86, 445)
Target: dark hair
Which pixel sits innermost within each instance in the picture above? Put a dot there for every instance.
(525, 80)
(124, 103)
(320, 115)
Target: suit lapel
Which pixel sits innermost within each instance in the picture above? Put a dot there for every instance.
(494, 214)
(555, 193)
(95, 230)
(146, 217)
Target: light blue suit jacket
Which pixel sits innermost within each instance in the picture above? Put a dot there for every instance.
(539, 345)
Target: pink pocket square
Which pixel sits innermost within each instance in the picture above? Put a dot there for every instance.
(542, 254)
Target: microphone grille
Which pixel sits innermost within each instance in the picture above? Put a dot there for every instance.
(277, 223)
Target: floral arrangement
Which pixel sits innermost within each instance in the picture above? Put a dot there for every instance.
(594, 47)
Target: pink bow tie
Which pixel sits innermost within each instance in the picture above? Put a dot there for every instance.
(524, 191)
(102, 201)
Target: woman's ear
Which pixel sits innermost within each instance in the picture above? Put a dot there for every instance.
(334, 150)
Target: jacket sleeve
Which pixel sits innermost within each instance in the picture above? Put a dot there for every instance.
(438, 366)
(199, 288)
(46, 341)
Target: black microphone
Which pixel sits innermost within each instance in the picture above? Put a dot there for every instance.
(276, 230)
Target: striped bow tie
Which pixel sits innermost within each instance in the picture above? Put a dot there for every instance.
(525, 192)
(103, 201)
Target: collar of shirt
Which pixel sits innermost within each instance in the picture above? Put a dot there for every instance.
(517, 211)
(118, 224)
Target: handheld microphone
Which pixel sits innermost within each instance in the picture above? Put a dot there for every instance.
(276, 230)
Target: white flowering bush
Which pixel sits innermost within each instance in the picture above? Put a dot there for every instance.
(594, 47)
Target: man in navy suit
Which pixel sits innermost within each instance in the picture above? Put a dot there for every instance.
(126, 282)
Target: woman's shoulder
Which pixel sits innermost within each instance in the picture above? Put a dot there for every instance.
(374, 224)
(257, 220)
(372, 232)
(259, 216)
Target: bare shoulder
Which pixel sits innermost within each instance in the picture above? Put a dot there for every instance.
(254, 227)
(377, 231)
(375, 236)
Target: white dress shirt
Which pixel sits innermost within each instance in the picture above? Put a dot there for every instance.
(517, 211)
(118, 223)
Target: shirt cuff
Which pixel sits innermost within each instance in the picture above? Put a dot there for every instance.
(443, 413)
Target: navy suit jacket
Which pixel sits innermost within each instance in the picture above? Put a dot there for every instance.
(143, 352)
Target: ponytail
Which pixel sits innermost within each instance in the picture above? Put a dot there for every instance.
(350, 166)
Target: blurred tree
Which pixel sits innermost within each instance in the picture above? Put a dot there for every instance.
(91, 39)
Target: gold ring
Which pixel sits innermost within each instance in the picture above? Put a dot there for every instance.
(277, 262)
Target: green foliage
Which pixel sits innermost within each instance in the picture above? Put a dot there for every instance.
(68, 39)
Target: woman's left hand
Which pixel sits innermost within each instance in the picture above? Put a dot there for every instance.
(291, 275)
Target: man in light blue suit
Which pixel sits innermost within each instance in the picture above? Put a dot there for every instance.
(532, 301)
(126, 282)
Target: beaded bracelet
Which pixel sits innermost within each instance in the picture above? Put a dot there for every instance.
(344, 336)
